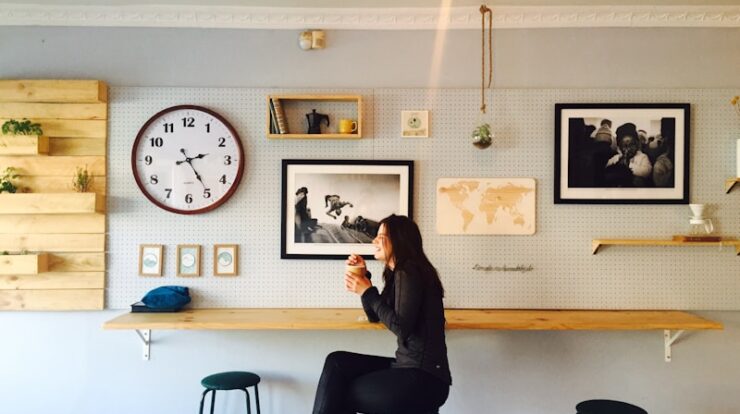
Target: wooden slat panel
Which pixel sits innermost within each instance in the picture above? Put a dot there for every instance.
(325, 319)
(45, 281)
(72, 128)
(25, 264)
(58, 203)
(50, 300)
(53, 91)
(54, 110)
(24, 144)
(77, 146)
(53, 242)
(57, 184)
(77, 262)
(65, 166)
(52, 224)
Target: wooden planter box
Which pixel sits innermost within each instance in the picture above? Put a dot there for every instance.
(24, 264)
(51, 203)
(24, 145)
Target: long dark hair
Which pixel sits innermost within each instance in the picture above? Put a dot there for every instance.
(406, 246)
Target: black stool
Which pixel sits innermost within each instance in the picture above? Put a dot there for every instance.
(607, 407)
(234, 380)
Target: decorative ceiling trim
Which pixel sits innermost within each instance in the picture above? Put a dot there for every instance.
(504, 17)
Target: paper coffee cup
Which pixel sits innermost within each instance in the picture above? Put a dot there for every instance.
(355, 270)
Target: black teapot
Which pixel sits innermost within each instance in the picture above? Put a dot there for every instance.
(314, 121)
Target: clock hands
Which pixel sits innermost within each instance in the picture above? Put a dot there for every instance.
(189, 160)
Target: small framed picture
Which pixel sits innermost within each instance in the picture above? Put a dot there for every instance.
(150, 260)
(415, 124)
(226, 259)
(188, 260)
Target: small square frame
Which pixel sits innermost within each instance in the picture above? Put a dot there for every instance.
(415, 124)
(183, 268)
(156, 252)
(221, 268)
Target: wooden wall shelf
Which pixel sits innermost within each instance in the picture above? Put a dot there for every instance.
(730, 183)
(47, 215)
(597, 243)
(354, 319)
(24, 145)
(287, 99)
(51, 203)
(24, 264)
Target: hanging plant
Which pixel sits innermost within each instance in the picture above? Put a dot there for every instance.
(482, 137)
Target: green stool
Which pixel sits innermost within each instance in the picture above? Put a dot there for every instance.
(234, 380)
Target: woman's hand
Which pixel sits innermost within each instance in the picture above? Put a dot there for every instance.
(355, 283)
(355, 260)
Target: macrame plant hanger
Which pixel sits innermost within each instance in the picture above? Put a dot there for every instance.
(484, 10)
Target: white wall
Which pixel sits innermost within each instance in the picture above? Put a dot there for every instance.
(64, 363)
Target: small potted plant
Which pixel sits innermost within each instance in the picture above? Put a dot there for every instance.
(482, 137)
(82, 180)
(6, 181)
(25, 127)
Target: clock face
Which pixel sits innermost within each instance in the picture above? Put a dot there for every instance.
(187, 159)
(414, 121)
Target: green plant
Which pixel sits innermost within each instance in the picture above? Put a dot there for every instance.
(82, 180)
(25, 127)
(6, 183)
(482, 136)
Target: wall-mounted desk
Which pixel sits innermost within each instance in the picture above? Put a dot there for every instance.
(352, 319)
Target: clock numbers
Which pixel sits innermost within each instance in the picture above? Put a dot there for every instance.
(191, 151)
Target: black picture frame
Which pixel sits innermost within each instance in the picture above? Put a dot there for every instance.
(588, 171)
(331, 208)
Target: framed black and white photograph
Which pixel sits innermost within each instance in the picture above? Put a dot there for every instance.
(622, 153)
(331, 208)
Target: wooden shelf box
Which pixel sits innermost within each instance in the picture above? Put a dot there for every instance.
(24, 264)
(24, 145)
(51, 203)
(296, 106)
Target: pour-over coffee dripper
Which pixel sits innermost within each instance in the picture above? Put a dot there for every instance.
(698, 225)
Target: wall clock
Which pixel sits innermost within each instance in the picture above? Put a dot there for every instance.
(187, 159)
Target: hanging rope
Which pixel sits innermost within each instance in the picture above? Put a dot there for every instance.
(483, 11)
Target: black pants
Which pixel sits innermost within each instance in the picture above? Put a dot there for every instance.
(355, 382)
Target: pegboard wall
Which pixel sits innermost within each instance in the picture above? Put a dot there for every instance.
(564, 272)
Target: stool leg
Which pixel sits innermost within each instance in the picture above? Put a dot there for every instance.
(257, 397)
(249, 406)
(213, 401)
(202, 399)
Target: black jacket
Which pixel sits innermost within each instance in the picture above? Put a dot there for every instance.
(411, 307)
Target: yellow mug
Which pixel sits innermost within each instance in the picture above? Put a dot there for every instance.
(347, 126)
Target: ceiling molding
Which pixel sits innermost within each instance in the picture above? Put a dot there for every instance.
(504, 17)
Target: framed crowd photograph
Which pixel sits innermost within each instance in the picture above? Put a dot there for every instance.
(150, 260)
(622, 153)
(188, 260)
(226, 259)
(331, 208)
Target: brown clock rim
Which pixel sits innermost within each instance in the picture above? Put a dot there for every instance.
(226, 196)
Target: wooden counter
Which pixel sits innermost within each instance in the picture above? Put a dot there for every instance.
(349, 319)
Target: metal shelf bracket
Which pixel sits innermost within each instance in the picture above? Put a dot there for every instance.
(146, 337)
(668, 340)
